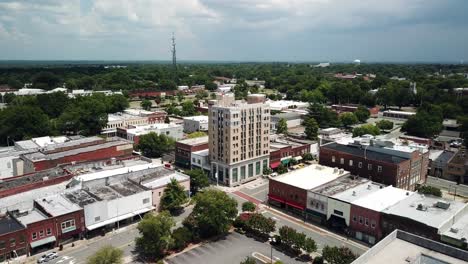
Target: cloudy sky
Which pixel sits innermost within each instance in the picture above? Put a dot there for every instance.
(241, 30)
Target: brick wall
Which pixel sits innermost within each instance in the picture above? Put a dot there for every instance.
(288, 193)
(20, 245)
(36, 185)
(373, 226)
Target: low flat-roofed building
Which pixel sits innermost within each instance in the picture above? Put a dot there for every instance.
(107, 201)
(292, 120)
(400, 247)
(40, 229)
(13, 242)
(68, 217)
(457, 234)
(201, 160)
(282, 150)
(366, 213)
(36, 180)
(397, 114)
(290, 190)
(133, 133)
(132, 117)
(185, 148)
(281, 105)
(156, 179)
(317, 198)
(195, 123)
(423, 215)
(90, 149)
(438, 161)
(339, 204)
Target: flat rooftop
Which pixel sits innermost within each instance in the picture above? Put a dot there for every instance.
(157, 177)
(81, 197)
(340, 185)
(287, 116)
(194, 141)
(404, 248)
(8, 224)
(204, 153)
(429, 213)
(36, 156)
(399, 112)
(29, 217)
(358, 192)
(57, 205)
(361, 151)
(311, 176)
(382, 198)
(14, 182)
(94, 174)
(200, 118)
(141, 130)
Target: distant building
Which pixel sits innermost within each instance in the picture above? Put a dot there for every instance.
(381, 161)
(195, 123)
(239, 138)
(457, 167)
(133, 133)
(292, 120)
(282, 151)
(132, 117)
(351, 108)
(282, 105)
(185, 148)
(400, 247)
(397, 114)
(438, 162)
(201, 160)
(322, 65)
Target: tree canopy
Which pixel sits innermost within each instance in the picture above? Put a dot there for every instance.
(155, 235)
(106, 255)
(198, 180)
(154, 146)
(282, 126)
(174, 197)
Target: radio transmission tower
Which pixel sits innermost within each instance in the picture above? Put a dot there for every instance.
(174, 60)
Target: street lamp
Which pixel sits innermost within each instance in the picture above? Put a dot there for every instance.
(272, 240)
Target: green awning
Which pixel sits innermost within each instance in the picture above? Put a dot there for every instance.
(285, 161)
(43, 241)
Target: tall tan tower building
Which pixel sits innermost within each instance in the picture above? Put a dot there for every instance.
(239, 138)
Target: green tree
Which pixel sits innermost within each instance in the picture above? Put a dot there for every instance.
(196, 134)
(155, 235)
(21, 122)
(325, 117)
(53, 104)
(424, 189)
(214, 212)
(338, 255)
(425, 124)
(180, 96)
(365, 130)
(308, 156)
(248, 207)
(106, 255)
(167, 120)
(282, 126)
(188, 108)
(198, 180)
(211, 86)
(318, 260)
(311, 128)
(348, 119)
(45, 80)
(384, 124)
(182, 237)
(146, 104)
(116, 103)
(248, 260)
(174, 197)
(85, 116)
(267, 171)
(154, 146)
(261, 224)
(282, 169)
(362, 113)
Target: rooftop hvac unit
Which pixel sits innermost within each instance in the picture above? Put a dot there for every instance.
(421, 207)
(442, 204)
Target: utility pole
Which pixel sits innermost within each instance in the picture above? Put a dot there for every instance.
(174, 59)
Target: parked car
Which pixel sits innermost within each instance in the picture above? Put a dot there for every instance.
(47, 257)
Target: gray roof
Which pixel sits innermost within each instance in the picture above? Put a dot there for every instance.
(57, 205)
(339, 185)
(430, 215)
(57, 155)
(32, 178)
(444, 157)
(287, 116)
(402, 248)
(29, 217)
(361, 152)
(195, 141)
(8, 224)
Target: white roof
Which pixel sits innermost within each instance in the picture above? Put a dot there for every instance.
(382, 198)
(285, 104)
(31, 217)
(137, 112)
(431, 215)
(434, 154)
(163, 181)
(311, 176)
(358, 192)
(205, 152)
(200, 118)
(399, 112)
(141, 130)
(57, 205)
(195, 141)
(113, 172)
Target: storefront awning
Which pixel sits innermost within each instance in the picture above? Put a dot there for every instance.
(300, 207)
(285, 161)
(277, 199)
(275, 164)
(298, 158)
(43, 241)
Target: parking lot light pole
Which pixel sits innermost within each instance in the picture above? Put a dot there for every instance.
(272, 240)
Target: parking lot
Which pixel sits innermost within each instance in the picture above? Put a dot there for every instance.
(231, 250)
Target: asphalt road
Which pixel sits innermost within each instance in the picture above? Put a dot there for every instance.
(449, 186)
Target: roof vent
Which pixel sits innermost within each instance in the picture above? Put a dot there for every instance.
(407, 193)
(354, 193)
(421, 207)
(369, 187)
(442, 204)
(454, 230)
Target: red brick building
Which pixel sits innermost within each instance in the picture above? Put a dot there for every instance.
(283, 152)
(87, 149)
(351, 108)
(13, 242)
(184, 149)
(402, 167)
